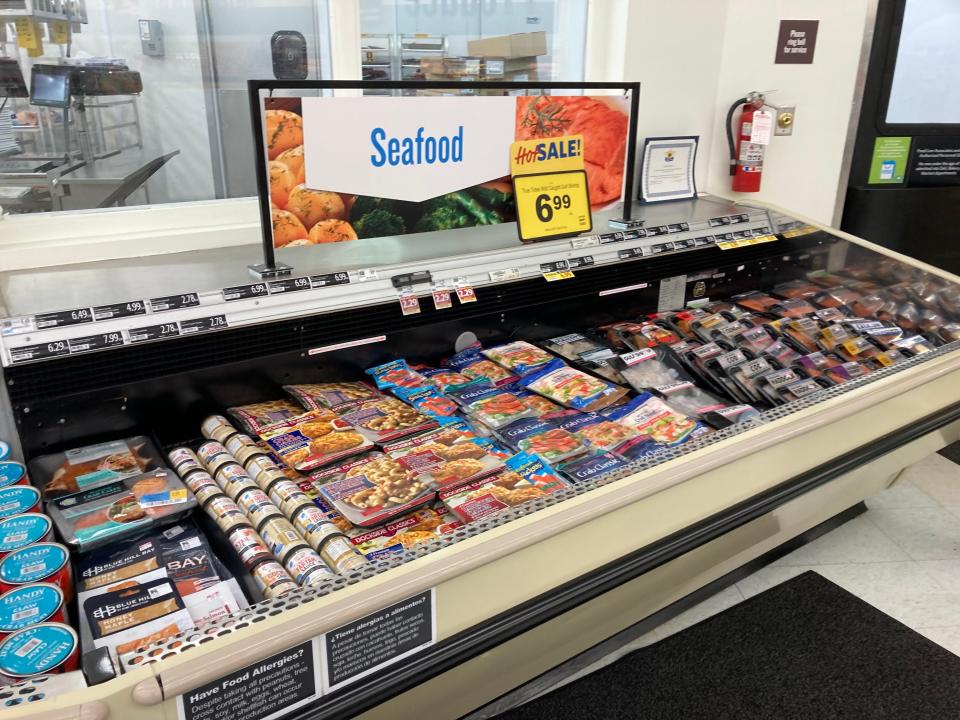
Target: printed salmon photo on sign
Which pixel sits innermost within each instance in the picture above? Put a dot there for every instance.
(602, 121)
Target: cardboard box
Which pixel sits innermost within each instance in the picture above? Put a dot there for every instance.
(503, 68)
(510, 46)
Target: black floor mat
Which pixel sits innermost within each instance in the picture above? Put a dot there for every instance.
(804, 649)
(952, 452)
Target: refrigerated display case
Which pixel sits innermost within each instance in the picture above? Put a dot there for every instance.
(503, 599)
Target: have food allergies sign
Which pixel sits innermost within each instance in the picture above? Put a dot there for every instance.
(410, 149)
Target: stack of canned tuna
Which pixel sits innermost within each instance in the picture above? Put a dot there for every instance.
(35, 583)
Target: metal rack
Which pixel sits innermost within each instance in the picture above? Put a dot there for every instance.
(378, 59)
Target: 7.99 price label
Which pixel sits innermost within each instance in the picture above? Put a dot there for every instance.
(552, 205)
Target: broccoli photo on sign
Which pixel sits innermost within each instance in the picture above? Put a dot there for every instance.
(487, 204)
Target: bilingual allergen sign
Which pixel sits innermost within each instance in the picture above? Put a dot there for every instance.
(263, 690)
(550, 205)
(373, 642)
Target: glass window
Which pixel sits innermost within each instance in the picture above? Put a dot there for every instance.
(926, 82)
(157, 109)
(135, 102)
(515, 40)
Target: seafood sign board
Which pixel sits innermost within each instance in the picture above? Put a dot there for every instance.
(348, 168)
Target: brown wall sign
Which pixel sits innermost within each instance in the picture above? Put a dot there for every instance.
(797, 41)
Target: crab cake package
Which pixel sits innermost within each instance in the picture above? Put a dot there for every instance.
(525, 477)
(259, 417)
(384, 419)
(420, 526)
(99, 516)
(372, 489)
(331, 396)
(314, 439)
(442, 465)
(93, 466)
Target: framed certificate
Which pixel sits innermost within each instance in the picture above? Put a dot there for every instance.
(667, 170)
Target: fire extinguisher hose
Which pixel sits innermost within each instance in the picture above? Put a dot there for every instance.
(730, 144)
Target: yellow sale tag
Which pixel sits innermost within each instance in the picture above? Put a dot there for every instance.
(797, 232)
(558, 275)
(852, 347)
(60, 32)
(28, 34)
(885, 359)
(552, 205)
(546, 155)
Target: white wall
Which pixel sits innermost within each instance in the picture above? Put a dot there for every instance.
(673, 50)
(694, 58)
(801, 171)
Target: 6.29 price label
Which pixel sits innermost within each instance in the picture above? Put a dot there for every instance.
(552, 205)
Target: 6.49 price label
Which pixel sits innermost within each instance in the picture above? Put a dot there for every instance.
(552, 205)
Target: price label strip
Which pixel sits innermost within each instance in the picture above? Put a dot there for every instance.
(409, 303)
(119, 310)
(551, 205)
(799, 231)
(288, 285)
(174, 302)
(337, 278)
(441, 298)
(579, 262)
(154, 332)
(245, 292)
(96, 342)
(199, 325)
(63, 318)
(39, 351)
(744, 242)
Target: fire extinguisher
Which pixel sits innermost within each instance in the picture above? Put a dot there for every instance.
(746, 158)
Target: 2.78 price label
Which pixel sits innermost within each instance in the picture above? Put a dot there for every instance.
(552, 205)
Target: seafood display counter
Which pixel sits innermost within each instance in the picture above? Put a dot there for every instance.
(314, 497)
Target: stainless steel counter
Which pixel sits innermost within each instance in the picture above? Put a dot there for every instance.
(27, 292)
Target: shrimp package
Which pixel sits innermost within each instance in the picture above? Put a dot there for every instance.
(652, 417)
(572, 388)
(102, 515)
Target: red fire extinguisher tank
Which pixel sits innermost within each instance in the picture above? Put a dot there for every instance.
(749, 156)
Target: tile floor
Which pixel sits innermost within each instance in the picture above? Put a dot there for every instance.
(902, 556)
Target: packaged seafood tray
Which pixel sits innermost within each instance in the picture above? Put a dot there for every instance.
(526, 477)
(92, 466)
(373, 489)
(104, 514)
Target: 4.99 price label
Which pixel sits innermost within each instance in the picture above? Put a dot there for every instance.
(552, 205)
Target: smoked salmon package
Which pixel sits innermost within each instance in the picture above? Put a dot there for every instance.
(93, 466)
(134, 616)
(123, 509)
